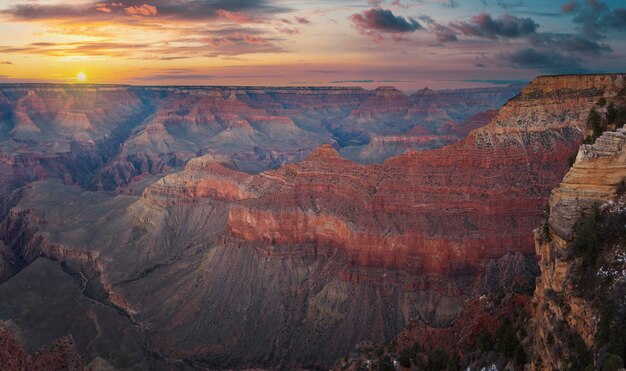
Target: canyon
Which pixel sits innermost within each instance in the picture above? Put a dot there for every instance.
(283, 227)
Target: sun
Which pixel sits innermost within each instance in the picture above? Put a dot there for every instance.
(81, 77)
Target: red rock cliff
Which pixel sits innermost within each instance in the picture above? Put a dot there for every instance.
(442, 211)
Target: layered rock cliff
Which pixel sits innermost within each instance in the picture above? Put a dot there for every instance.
(215, 267)
(490, 186)
(579, 306)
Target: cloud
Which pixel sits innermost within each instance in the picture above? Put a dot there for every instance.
(443, 33)
(569, 43)
(226, 42)
(352, 81)
(366, 81)
(569, 7)
(595, 19)
(448, 3)
(168, 77)
(302, 20)
(506, 26)
(376, 21)
(398, 4)
(183, 10)
(240, 17)
(288, 30)
(6, 62)
(544, 61)
(144, 10)
(499, 82)
(506, 4)
(186, 28)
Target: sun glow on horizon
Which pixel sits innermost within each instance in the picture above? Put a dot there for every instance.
(81, 77)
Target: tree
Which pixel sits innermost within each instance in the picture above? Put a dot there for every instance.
(439, 360)
(602, 102)
(415, 349)
(505, 339)
(611, 113)
(485, 342)
(594, 123)
(405, 358)
(613, 363)
(385, 364)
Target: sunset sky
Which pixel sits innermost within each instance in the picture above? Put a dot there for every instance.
(406, 43)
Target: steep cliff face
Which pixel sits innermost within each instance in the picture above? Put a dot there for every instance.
(579, 301)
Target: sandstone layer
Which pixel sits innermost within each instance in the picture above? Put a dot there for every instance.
(561, 312)
(490, 186)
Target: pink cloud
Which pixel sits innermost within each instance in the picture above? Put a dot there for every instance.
(144, 10)
(239, 17)
(302, 20)
(288, 31)
(102, 7)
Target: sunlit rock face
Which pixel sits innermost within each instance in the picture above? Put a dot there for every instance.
(562, 309)
(304, 254)
(444, 211)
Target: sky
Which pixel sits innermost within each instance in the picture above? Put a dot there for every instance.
(410, 44)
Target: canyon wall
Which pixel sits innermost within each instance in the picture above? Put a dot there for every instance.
(298, 264)
(102, 136)
(579, 280)
(490, 186)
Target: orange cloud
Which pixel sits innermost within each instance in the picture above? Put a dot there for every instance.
(239, 17)
(102, 7)
(144, 10)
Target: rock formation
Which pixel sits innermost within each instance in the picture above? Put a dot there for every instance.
(103, 136)
(60, 355)
(222, 266)
(570, 319)
(490, 186)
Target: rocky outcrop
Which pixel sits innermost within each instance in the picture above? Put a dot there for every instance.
(60, 355)
(567, 317)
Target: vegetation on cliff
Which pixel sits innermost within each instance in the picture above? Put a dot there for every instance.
(604, 117)
(599, 277)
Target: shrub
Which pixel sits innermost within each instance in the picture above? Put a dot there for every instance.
(415, 350)
(613, 363)
(405, 358)
(611, 113)
(571, 160)
(505, 339)
(580, 356)
(588, 140)
(385, 364)
(594, 123)
(484, 341)
(438, 360)
(519, 355)
(589, 237)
